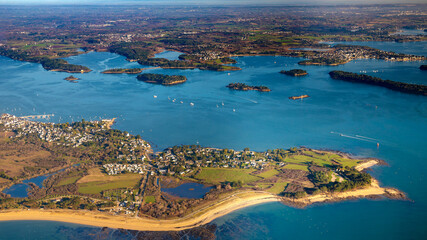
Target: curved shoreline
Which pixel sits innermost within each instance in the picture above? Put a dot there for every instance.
(204, 214)
(200, 217)
(207, 214)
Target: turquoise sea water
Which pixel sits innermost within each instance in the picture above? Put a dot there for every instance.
(259, 121)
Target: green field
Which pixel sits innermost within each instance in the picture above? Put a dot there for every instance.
(278, 187)
(149, 199)
(264, 185)
(130, 181)
(218, 175)
(324, 160)
(296, 167)
(268, 174)
(69, 180)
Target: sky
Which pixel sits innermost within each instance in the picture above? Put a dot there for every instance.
(209, 2)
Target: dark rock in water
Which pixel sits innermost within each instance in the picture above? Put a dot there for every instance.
(423, 67)
(205, 232)
(71, 78)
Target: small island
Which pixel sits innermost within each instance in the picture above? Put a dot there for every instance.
(294, 72)
(161, 79)
(244, 87)
(123, 70)
(71, 78)
(396, 86)
(423, 67)
(298, 97)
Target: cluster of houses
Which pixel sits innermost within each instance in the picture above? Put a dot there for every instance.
(168, 162)
(357, 52)
(67, 136)
(209, 157)
(45, 131)
(208, 55)
(114, 168)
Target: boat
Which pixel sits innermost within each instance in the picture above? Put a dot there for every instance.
(155, 96)
(298, 97)
(192, 104)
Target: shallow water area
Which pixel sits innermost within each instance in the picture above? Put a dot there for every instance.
(20, 190)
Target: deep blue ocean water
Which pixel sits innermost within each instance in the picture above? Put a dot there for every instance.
(259, 121)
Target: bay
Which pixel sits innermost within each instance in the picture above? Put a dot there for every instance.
(259, 121)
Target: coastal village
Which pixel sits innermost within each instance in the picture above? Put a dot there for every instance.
(130, 179)
(341, 54)
(73, 135)
(187, 158)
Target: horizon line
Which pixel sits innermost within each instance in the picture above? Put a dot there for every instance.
(209, 4)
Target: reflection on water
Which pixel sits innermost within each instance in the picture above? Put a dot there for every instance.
(20, 190)
(188, 190)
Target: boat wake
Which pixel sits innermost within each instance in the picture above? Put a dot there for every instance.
(357, 137)
(247, 99)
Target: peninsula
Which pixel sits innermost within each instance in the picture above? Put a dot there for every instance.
(50, 64)
(113, 179)
(162, 79)
(366, 79)
(294, 72)
(244, 87)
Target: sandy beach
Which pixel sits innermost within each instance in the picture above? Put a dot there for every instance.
(202, 216)
(366, 165)
(373, 190)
